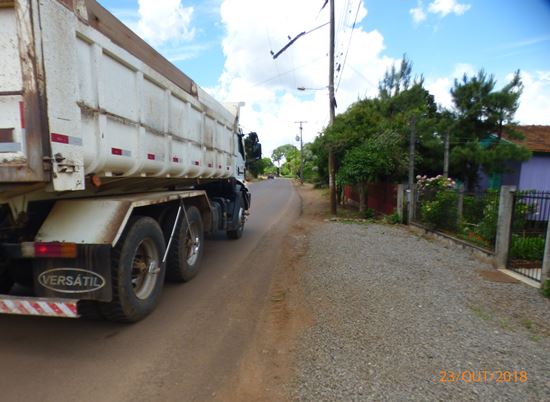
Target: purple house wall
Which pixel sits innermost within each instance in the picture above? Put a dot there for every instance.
(535, 174)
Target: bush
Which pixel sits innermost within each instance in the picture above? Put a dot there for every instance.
(546, 288)
(394, 218)
(369, 213)
(527, 248)
(473, 208)
(487, 227)
(441, 213)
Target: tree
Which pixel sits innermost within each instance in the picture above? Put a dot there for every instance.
(401, 97)
(378, 157)
(396, 80)
(482, 115)
(282, 152)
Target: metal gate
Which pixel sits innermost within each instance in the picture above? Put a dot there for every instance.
(529, 224)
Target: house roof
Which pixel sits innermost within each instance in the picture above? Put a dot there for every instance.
(537, 138)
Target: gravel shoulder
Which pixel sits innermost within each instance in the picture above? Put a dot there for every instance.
(395, 313)
(361, 312)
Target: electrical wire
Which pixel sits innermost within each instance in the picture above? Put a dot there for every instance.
(342, 34)
(349, 46)
(289, 71)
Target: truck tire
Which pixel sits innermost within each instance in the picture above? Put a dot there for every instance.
(238, 232)
(185, 253)
(137, 271)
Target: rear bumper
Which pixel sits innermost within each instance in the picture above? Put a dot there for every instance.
(38, 306)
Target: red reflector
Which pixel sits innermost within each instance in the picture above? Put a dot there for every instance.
(175, 160)
(55, 250)
(116, 151)
(40, 249)
(197, 163)
(62, 139)
(151, 157)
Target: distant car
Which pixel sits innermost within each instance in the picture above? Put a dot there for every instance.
(271, 176)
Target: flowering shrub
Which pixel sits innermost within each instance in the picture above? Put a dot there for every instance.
(438, 182)
(438, 202)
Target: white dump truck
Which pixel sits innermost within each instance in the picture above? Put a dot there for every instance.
(113, 165)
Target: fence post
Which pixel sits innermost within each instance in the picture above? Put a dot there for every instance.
(545, 275)
(400, 192)
(460, 211)
(504, 225)
(411, 199)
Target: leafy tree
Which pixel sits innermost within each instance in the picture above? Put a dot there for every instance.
(396, 80)
(482, 112)
(401, 97)
(376, 158)
(282, 152)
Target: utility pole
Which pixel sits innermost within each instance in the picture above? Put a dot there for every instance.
(446, 154)
(412, 140)
(332, 105)
(301, 122)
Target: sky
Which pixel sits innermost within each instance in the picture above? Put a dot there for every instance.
(225, 47)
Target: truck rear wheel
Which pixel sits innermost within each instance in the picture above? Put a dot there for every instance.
(185, 253)
(137, 271)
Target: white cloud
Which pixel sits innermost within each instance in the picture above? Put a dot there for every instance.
(535, 99)
(463, 68)
(439, 7)
(445, 7)
(440, 87)
(164, 21)
(269, 87)
(418, 13)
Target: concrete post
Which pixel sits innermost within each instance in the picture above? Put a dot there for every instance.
(460, 206)
(400, 203)
(504, 225)
(545, 275)
(411, 200)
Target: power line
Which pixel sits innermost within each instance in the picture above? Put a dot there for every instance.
(285, 47)
(349, 45)
(289, 71)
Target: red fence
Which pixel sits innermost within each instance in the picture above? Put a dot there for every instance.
(381, 197)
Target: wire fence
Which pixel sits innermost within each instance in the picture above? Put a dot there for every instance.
(471, 217)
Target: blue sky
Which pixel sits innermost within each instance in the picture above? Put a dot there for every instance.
(224, 46)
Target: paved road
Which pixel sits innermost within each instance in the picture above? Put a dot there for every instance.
(186, 350)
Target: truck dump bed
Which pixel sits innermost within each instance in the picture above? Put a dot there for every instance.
(81, 94)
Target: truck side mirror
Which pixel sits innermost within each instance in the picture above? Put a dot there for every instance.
(257, 151)
(253, 147)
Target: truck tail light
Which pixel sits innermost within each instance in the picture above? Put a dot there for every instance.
(49, 250)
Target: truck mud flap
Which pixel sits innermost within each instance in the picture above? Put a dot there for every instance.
(87, 277)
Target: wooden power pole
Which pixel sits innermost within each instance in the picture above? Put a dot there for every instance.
(301, 123)
(412, 140)
(332, 105)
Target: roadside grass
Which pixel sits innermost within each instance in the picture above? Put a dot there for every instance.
(481, 313)
(535, 333)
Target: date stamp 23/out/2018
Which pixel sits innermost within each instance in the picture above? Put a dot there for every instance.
(482, 376)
